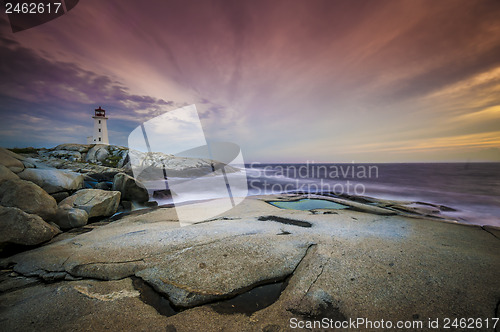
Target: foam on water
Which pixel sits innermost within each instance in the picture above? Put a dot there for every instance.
(473, 190)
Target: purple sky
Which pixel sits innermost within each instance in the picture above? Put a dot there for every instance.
(289, 81)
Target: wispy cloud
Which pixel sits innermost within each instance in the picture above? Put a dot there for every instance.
(287, 80)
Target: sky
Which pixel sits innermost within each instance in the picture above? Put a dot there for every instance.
(288, 81)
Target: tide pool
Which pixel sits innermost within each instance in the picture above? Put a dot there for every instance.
(308, 204)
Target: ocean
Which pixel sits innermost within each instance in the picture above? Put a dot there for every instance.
(472, 189)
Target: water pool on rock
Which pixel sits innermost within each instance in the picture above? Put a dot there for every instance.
(308, 204)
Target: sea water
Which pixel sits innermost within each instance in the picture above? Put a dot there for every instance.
(473, 189)
(308, 204)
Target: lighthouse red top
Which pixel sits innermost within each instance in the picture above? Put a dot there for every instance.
(100, 112)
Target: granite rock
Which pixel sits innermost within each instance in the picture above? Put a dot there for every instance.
(19, 227)
(53, 180)
(96, 202)
(28, 197)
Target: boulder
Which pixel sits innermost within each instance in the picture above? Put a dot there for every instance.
(68, 217)
(28, 197)
(6, 174)
(98, 153)
(16, 169)
(96, 202)
(10, 159)
(129, 188)
(19, 227)
(53, 180)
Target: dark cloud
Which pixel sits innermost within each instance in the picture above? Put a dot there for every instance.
(28, 76)
(41, 98)
(316, 68)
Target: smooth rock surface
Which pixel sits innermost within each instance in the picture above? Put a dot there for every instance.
(86, 305)
(345, 265)
(28, 197)
(130, 189)
(6, 174)
(212, 271)
(10, 159)
(19, 227)
(53, 180)
(16, 169)
(96, 202)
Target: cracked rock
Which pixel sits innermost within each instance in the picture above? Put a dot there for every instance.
(217, 270)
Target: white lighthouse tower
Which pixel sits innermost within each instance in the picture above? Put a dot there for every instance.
(100, 128)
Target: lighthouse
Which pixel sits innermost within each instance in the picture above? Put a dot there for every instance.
(100, 128)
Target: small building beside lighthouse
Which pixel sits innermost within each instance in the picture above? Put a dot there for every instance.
(100, 128)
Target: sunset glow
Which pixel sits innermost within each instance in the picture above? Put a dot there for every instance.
(288, 81)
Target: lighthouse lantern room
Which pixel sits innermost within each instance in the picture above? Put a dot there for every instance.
(100, 128)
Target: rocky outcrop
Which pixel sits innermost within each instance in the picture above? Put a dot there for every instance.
(79, 167)
(6, 174)
(53, 180)
(129, 188)
(82, 148)
(96, 202)
(68, 217)
(150, 166)
(28, 197)
(345, 265)
(63, 155)
(67, 155)
(19, 227)
(99, 153)
(97, 160)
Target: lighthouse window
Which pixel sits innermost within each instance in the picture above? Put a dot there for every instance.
(99, 121)
(99, 129)
(99, 139)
